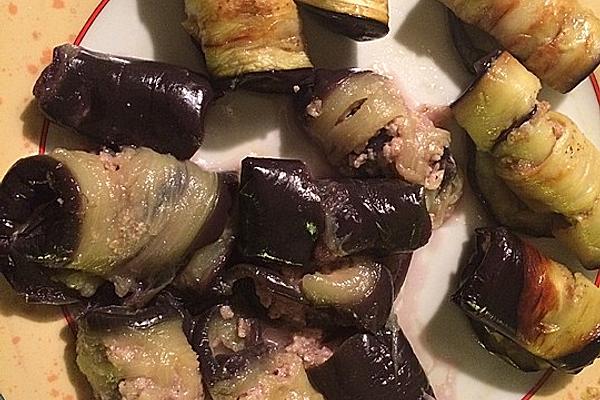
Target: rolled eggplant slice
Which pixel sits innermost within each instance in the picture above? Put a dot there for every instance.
(550, 165)
(325, 219)
(118, 101)
(365, 128)
(356, 292)
(501, 97)
(561, 51)
(128, 354)
(132, 218)
(581, 234)
(373, 366)
(243, 357)
(514, 290)
(501, 203)
(255, 44)
(358, 19)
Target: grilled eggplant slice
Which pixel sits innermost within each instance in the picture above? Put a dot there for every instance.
(132, 218)
(550, 164)
(373, 366)
(510, 287)
(358, 19)
(240, 359)
(118, 101)
(254, 44)
(559, 41)
(325, 219)
(501, 97)
(128, 354)
(364, 126)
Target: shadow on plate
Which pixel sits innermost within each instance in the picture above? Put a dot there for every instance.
(12, 304)
(436, 44)
(76, 377)
(325, 48)
(172, 44)
(32, 122)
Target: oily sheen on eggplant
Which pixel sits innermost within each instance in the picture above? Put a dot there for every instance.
(132, 218)
(364, 126)
(254, 44)
(358, 19)
(514, 290)
(356, 292)
(558, 40)
(242, 356)
(540, 155)
(116, 101)
(290, 218)
(373, 366)
(142, 353)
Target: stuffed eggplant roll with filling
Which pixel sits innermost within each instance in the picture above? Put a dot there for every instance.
(536, 302)
(366, 129)
(143, 354)
(244, 357)
(558, 40)
(291, 218)
(358, 19)
(356, 292)
(133, 218)
(118, 101)
(541, 156)
(255, 44)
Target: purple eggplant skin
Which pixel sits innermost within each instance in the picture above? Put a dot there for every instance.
(369, 314)
(355, 27)
(491, 289)
(219, 367)
(110, 317)
(40, 211)
(118, 101)
(34, 284)
(374, 216)
(369, 366)
(325, 219)
(281, 214)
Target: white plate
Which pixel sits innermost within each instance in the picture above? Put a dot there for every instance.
(418, 52)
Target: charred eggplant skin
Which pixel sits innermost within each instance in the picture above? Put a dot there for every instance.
(325, 219)
(372, 366)
(500, 285)
(118, 101)
(353, 25)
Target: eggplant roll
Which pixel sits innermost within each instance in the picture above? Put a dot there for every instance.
(502, 96)
(514, 290)
(133, 218)
(141, 354)
(358, 19)
(358, 292)
(254, 43)
(325, 219)
(245, 357)
(558, 40)
(118, 101)
(365, 128)
(541, 156)
(373, 366)
(502, 204)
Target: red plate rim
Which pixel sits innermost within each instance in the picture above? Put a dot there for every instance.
(42, 149)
